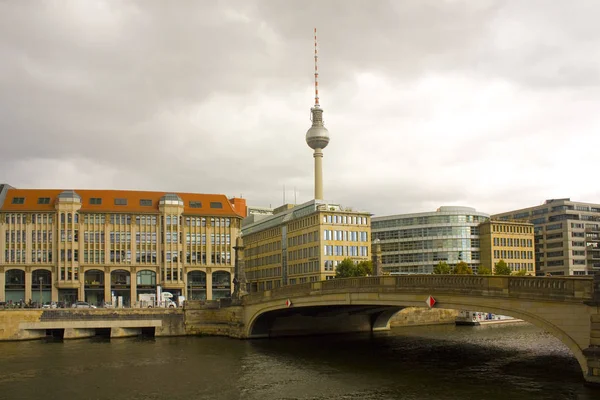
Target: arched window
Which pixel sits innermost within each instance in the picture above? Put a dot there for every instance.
(41, 276)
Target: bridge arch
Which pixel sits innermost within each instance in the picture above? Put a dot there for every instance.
(559, 308)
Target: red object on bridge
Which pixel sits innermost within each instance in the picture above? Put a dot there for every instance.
(288, 303)
(430, 301)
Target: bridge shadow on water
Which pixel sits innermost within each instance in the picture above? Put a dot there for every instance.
(441, 362)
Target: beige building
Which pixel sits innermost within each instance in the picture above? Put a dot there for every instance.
(303, 243)
(510, 241)
(103, 245)
(567, 236)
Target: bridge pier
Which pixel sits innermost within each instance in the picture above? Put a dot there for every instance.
(592, 353)
(79, 333)
(125, 332)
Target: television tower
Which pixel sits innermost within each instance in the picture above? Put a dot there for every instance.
(317, 136)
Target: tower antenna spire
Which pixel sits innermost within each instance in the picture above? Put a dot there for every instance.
(316, 72)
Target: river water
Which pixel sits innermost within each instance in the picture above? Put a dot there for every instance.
(508, 362)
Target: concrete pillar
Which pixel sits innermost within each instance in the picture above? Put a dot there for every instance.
(125, 332)
(318, 155)
(107, 297)
(2, 285)
(209, 294)
(28, 282)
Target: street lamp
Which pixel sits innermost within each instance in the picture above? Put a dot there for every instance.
(41, 279)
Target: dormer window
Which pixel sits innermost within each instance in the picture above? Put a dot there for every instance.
(216, 204)
(196, 204)
(43, 200)
(145, 203)
(120, 202)
(18, 200)
(95, 201)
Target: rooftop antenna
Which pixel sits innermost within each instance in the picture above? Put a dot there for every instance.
(316, 72)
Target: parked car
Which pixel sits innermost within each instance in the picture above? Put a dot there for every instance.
(83, 304)
(49, 305)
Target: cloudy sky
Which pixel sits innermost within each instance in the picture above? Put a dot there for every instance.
(489, 104)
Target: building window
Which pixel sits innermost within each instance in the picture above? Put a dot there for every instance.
(145, 203)
(18, 200)
(95, 201)
(43, 200)
(198, 204)
(120, 202)
(216, 204)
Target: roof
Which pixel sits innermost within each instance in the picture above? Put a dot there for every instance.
(202, 202)
(253, 225)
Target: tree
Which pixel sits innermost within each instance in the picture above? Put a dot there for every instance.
(442, 268)
(364, 268)
(501, 268)
(484, 271)
(520, 273)
(462, 268)
(347, 268)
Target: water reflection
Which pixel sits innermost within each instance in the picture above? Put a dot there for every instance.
(441, 362)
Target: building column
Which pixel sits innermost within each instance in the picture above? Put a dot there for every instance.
(209, 243)
(2, 285)
(28, 282)
(209, 294)
(185, 283)
(81, 289)
(107, 296)
(54, 290)
(133, 287)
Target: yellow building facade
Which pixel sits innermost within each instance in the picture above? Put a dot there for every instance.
(103, 245)
(510, 241)
(303, 244)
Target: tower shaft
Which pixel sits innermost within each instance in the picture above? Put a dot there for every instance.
(317, 136)
(318, 155)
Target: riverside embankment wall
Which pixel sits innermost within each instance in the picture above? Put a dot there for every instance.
(196, 319)
(27, 324)
(412, 316)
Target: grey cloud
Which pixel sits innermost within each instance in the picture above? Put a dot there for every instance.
(214, 96)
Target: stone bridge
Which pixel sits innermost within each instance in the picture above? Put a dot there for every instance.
(566, 307)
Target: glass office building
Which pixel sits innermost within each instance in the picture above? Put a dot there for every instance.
(415, 243)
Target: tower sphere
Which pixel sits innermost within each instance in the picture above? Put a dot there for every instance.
(317, 137)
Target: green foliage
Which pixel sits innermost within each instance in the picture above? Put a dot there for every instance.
(484, 271)
(501, 268)
(462, 268)
(347, 269)
(520, 273)
(442, 268)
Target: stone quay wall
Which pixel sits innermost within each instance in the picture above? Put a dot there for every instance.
(412, 316)
(27, 324)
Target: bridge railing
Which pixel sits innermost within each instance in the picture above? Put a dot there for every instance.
(552, 288)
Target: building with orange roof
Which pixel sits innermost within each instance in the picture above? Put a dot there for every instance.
(102, 246)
